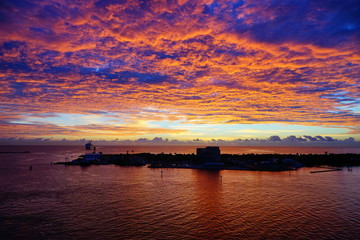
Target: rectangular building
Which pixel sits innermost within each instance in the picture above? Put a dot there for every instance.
(209, 155)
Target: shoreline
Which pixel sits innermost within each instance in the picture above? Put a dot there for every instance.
(258, 162)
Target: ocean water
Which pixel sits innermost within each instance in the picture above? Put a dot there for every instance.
(112, 202)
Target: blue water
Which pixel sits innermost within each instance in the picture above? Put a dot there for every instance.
(112, 202)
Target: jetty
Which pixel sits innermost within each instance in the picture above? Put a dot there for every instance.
(15, 152)
(327, 169)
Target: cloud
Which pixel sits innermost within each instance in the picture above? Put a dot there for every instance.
(322, 23)
(214, 62)
(310, 138)
(274, 138)
(94, 131)
(294, 141)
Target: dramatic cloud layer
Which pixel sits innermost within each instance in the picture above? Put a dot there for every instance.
(130, 68)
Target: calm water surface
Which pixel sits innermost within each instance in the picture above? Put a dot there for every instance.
(111, 202)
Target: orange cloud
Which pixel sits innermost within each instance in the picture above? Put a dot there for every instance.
(198, 62)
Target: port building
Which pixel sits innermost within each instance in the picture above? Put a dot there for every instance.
(209, 156)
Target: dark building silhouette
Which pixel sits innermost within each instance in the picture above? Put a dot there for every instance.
(209, 155)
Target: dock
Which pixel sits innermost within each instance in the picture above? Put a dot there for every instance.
(327, 169)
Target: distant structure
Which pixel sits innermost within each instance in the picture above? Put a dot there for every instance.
(90, 146)
(209, 156)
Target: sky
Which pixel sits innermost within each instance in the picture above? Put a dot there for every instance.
(181, 70)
